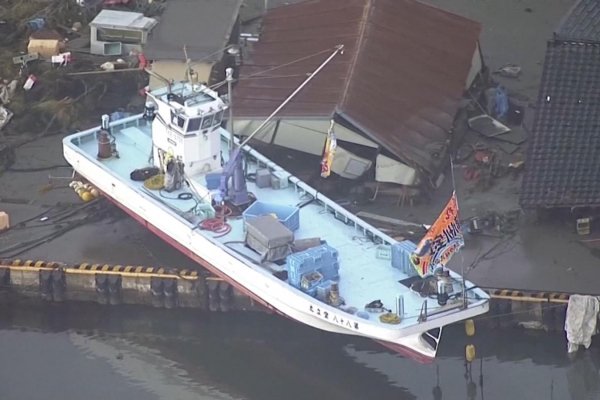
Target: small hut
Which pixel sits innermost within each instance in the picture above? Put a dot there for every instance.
(46, 43)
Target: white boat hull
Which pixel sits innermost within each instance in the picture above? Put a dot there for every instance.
(260, 285)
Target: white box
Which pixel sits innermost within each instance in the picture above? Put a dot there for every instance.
(4, 221)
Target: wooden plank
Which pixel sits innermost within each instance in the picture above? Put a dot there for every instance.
(387, 220)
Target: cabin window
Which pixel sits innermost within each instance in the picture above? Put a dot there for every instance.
(207, 121)
(119, 35)
(194, 124)
(218, 118)
(177, 120)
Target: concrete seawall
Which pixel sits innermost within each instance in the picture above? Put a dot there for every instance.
(185, 288)
(116, 284)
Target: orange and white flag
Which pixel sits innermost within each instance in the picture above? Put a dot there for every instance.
(328, 152)
(443, 239)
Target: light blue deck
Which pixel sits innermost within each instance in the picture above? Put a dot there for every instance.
(363, 276)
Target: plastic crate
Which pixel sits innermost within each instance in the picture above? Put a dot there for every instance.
(401, 252)
(323, 290)
(213, 181)
(326, 261)
(384, 252)
(279, 179)
(323, 259)
(287, 215)
(263, 178)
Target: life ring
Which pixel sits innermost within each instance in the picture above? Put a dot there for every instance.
(390, 318)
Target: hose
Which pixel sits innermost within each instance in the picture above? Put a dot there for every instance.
(38, 169)
(217, 224)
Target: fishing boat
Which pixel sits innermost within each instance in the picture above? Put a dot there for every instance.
(182, 175)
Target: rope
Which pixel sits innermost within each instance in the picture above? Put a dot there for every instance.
(156, 182)
(390, 318)
(217, 224)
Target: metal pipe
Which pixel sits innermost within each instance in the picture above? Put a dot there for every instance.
(157, 76)
(400, 306)
(339, 48)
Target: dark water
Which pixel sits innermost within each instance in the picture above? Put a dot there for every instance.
(93, 352)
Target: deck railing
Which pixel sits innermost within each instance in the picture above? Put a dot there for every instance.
(329, 205)
(300, 186)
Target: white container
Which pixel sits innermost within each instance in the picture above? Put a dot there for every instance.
(4, 221)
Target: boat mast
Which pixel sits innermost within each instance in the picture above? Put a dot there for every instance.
(229, 79)
(338, 49)
(238, 196)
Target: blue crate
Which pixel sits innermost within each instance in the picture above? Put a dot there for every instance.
(298, 264)
(323, 290)
(323, 253)
(287, 215)
(323, 259)
(330, 270)
(401, 252)
(213, 181)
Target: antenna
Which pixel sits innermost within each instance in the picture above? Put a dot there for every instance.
(188, 68)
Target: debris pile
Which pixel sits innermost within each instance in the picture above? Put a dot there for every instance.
(493, 134)
(48, 79)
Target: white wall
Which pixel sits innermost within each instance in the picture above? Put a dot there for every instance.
(307, 135)
(476, 66)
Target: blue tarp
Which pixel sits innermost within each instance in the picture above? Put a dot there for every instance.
(501, 102)
(36, 24)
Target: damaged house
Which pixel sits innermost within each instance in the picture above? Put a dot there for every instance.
(393, 94)
(563, 162)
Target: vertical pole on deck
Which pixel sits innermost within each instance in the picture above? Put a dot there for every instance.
(462, 264)
(229, 79)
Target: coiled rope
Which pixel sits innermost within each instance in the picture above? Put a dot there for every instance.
(218, 223)
(155, 182)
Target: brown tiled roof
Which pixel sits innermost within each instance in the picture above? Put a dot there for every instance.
(399, 80)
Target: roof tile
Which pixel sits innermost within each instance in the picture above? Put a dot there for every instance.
(582, 22)
(563, 167)
(402, 86)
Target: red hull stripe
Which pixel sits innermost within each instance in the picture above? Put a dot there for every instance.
(405, 351)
